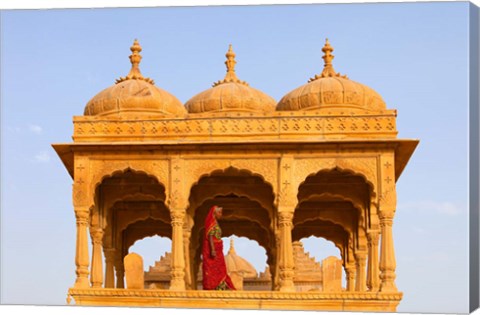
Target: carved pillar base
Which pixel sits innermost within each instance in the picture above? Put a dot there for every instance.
(286, 282)
(360, 284)
(81, 255)
(286, 250)
(373, 282)
(178, 260)
(109, 267)
(350, 271)
(387, 257)
(120, 272)
(97, 265)
(186, 253)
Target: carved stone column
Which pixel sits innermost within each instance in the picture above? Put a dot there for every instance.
(373, 282)
(81, 251)
(276, 271)
(286, 266)
(120, 271)
(109, 267)
(350, 271)
(186, 250)
(96, 277)
(178, 260)
(387, 254)
(361, 260)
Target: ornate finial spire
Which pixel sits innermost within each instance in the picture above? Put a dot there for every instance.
(135, 59)
(328, 70)
(230, 63)
(231, 76)
(232, 249)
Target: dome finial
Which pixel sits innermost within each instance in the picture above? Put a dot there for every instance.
(135, 59)
(230, 63)
(231, 76)
(328, 70)
(232, 249)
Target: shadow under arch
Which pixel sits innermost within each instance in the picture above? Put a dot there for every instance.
(122, 172)
(232, 172)
(339, 171)
(328, 190)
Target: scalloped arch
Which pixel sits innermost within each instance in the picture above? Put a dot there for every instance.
(355, 203)
(336, 244)
(364, 168)
(110, 203)
(146, 235)
(341, 246)
(137, 220)
(156, 169)
(262, 168)
(215, 170)
(192, 207)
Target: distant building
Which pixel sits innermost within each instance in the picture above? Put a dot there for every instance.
(309, 274)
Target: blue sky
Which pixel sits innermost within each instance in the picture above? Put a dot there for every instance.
(414, 54)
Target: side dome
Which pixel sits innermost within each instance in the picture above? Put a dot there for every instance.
(230, 94)
(134, 95)
(330, 90)
(238, 264)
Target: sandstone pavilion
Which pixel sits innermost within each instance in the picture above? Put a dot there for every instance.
(323, 162)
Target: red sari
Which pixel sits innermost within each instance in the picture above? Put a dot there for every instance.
(215, 275)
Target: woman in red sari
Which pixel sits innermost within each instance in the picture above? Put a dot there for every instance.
(215, 275)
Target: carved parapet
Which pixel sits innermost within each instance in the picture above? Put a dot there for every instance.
(236, 126)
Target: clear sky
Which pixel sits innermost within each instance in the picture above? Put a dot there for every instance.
(414, 54)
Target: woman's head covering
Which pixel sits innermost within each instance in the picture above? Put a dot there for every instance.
(210, 221)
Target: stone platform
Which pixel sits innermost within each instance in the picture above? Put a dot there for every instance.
(254, 300)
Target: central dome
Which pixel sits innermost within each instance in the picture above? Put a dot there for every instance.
(231, 94)
(331, 91)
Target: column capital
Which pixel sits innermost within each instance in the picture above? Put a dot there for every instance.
(186, 232)
(386, 218)
(177, 215)
(373, 237)
(96, 234)
(360, 255)
(83, 216)
(109, 254)
(82, 212)
(109, 250)
(285, 218)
